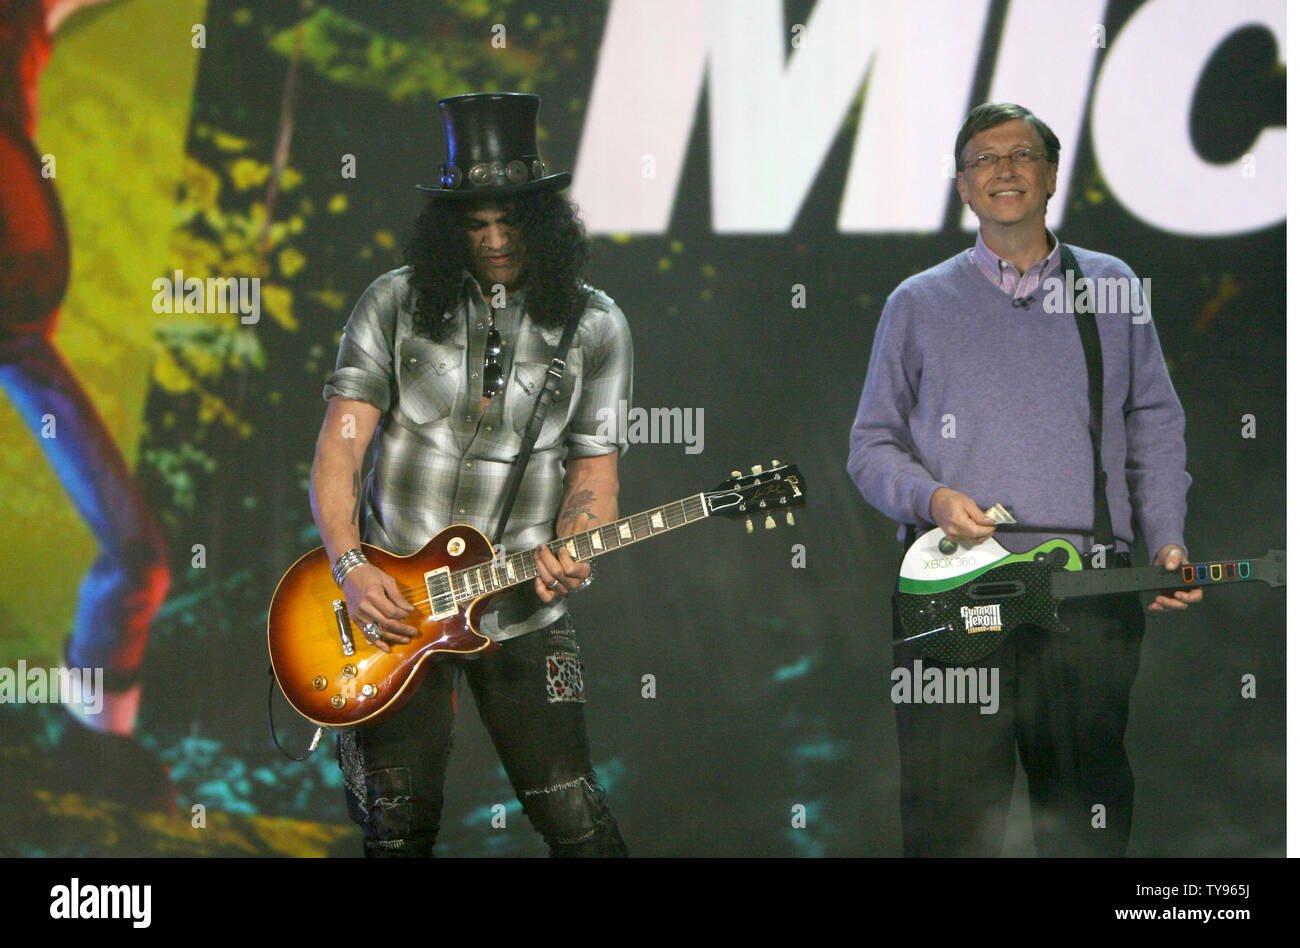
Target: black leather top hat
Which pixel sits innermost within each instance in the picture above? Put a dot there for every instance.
(492, 147)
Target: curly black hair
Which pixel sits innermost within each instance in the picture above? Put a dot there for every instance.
(555, 258)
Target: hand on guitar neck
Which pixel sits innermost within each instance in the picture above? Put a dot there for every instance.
(557, 575)
(1171, 556)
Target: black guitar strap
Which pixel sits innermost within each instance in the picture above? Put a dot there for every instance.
(547, 395)
(1102, 531)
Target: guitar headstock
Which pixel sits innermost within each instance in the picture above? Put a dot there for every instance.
(762, 492)
(1270, 569)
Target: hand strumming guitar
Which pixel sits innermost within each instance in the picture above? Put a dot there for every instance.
(374, 596)
(959, 517)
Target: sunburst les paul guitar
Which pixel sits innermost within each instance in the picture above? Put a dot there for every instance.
(337, 679)
(958, 602)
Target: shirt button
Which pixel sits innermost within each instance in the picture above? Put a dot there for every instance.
(411, 360)
(469, 464)
(489, 427)
(462, 509)
(473, 375)
(480, 325)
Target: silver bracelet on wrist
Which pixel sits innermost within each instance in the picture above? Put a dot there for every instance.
(348, 561)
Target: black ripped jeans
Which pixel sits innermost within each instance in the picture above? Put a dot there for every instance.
(529, 695)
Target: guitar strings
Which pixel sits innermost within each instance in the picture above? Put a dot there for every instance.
(633, 521)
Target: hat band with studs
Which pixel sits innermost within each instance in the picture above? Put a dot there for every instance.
(493, 174)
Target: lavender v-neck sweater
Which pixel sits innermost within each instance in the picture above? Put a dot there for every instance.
(966, 390)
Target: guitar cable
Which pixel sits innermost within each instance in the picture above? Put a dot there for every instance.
(270, 722)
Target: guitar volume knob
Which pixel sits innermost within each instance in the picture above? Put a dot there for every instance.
(338, 701)
(318, 682)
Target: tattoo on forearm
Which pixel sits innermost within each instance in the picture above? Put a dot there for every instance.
(356, 493)
(579, 504)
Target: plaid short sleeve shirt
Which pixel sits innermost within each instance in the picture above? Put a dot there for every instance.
(436, 460)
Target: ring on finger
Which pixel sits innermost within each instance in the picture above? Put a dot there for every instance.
(554, 585)
(371, 630)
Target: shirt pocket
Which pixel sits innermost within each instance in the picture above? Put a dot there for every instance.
(526, 382)
(428, 378)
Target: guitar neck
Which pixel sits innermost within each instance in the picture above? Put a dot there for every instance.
(516, 568)
(1102, 582)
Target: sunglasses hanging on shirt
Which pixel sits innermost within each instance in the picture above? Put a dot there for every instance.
(494, 380)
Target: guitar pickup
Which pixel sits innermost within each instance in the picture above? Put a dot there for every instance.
(442, 601)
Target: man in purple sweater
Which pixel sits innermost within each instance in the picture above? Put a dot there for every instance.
(976, 394)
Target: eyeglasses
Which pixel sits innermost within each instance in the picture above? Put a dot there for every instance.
(987, 160)
(494, 380)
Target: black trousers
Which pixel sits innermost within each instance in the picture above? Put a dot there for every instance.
(529, 696)
(1063, 704)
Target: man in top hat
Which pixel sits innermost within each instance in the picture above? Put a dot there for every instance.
(944, 432)
(441, 363)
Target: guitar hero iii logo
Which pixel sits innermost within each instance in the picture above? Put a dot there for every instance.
(778, 97)
(982, 618)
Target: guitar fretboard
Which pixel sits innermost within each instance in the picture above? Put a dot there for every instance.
(515, 568)
(1102, 582)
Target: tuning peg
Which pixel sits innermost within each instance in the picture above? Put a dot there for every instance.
(749, 526)
(756, 468)
(789, 517)
(769, 523)
(735, 474)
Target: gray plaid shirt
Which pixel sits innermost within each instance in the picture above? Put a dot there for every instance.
(437, 461)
